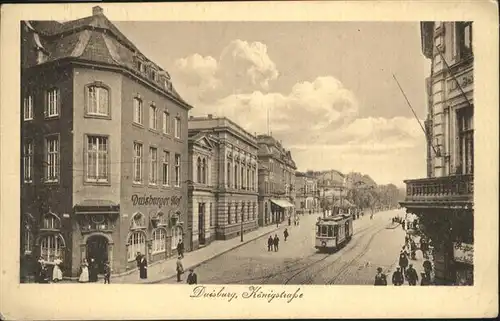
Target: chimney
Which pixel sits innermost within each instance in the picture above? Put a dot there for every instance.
(96, 11)
(210, 116)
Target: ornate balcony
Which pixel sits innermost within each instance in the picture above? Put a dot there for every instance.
(440, 192)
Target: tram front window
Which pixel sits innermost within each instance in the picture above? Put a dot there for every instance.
(318, 231)
(324, 230)
(336, 231)
(330, 231)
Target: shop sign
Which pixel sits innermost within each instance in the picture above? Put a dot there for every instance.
(464, 253)
(157, 201)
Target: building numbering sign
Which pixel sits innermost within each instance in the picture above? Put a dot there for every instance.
(158, 201)
(463, 252)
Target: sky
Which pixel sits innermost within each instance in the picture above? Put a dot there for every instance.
(325, 89)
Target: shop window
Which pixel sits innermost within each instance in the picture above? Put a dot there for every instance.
(176, 236)
(136, 243)
(51, 247)
(159, 240)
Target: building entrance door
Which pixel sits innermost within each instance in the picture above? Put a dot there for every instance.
(97, 248)
(201, 223)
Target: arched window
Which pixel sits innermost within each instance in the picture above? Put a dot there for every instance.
(51, 247)
(176, 236)
(228, 174)
(97, 100)
(159, 240)
(248, 178)
(198, 170)
(229, 213)
(236, 213)
(136, 243)
(235, 175)
(204, 171)
(51, 222)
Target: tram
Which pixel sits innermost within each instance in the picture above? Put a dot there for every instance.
(332, 232)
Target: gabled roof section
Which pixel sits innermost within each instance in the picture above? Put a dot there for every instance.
(202, 139)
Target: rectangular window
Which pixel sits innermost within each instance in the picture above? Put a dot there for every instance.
(463, 36)
(97, 101)
(153, 165)
(52, 103)
(166, 122)
(166, 169)
(28, 161)
(28, 107)
(152, 117)
(97, 159)
(177, 170)
(138, 111)
(52, 158)
(466, 135)
(177, 127)
(137, 163)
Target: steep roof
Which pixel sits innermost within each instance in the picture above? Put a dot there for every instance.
(97, 39)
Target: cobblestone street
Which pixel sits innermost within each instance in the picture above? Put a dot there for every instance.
(375, 243)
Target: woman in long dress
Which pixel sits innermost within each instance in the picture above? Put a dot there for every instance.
(93, 277)
(84, 275)
(56, 272)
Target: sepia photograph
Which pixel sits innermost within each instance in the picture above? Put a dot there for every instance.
(217, 154)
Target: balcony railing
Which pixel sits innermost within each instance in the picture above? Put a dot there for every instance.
(447, 190)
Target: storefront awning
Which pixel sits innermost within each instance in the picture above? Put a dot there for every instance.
(97, 206)
(282, 203)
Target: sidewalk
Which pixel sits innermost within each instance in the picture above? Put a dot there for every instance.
(166, 269)
(417, 264)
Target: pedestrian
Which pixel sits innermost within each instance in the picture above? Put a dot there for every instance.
(298, 221)
(44, 276)
(84, 272)
(143, 267)
(403, 225)
(93, 270)
(289, 221)
(411, 275)
(39, 268)
(180, 248)
(397, 277)
(56, 271)
(270, 243)
(138, 258)
(403, 262)
(192, 277)
(380, 278)
(179, 268)
(424, 247)
(107, 273)
(285, 234)
(425, 279)
(276, 242)
(427, 265)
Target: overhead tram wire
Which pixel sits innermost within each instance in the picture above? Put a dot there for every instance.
(413, 111)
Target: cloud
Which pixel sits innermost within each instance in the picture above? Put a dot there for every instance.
(241, 68)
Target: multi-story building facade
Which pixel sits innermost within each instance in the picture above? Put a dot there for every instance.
(223, 177)
(444, 200)
(276, 181)
(306, 193)
(104, 148)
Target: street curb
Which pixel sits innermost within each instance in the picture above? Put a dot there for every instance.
(213, 257)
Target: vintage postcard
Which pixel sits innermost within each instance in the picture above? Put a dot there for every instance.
(249, 160)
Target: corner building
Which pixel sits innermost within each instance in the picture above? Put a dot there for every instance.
(444, 200)
(223, 180)
(104, 148)
(276, 181)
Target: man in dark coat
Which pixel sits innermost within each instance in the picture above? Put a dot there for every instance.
(180, 248)
(380, 278)
(425, 279)
(93, 270)
(276, 242)
(411, 275)
(397, 277)
(143, 268)
(192, 277)
(270, 243)
(285, 234)
(107, 273)
(403, 261)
